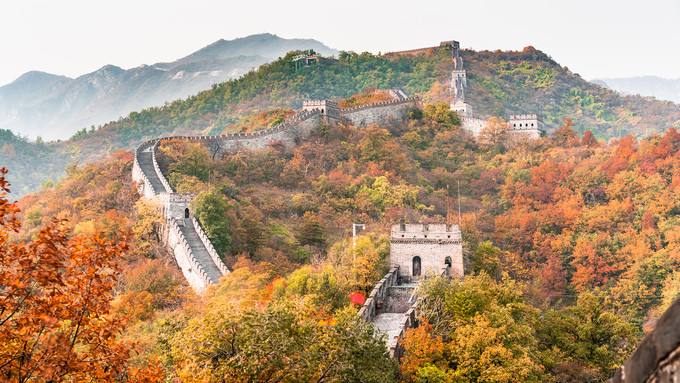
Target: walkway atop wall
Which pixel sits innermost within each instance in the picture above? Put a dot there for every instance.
(146, 164)
(199, 251)
(391, 312)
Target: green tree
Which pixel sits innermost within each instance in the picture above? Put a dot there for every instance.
(587, 340)
(486, 258)
(487, 328)
(312, 232)
(440, 116)
(286, 342)
(211, 211)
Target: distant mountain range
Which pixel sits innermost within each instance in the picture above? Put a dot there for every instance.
(661, 88)
(55, 107)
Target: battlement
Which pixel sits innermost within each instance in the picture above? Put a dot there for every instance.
(523, 117)
(451, 44)
(432, 232)
(407, 100)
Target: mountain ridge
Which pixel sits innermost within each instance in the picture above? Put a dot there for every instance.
(500, 84)
(55, 107)
(649, 86)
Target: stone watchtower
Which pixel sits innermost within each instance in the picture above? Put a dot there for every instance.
(526, 124)
(327, 108)
(426, 249)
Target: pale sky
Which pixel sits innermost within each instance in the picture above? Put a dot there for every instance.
(596, 38)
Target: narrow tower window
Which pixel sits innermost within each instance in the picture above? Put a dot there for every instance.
(416, 266)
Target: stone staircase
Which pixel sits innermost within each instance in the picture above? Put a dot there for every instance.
(199, 251)
(390, 308)
(392, 313)
(181, 233)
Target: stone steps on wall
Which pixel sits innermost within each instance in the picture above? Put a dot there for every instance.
(146, 164)
(398, 299)
(392, 313)
(199, 251)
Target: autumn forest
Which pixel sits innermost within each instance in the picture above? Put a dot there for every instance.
(571, 242)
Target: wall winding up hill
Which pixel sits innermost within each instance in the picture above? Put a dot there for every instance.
(181, 232)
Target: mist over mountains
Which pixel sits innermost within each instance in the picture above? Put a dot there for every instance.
(661, 88)
(55, 107)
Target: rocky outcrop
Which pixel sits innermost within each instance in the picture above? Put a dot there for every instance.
(657, 358)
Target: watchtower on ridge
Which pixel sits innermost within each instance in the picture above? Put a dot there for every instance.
(426, 249)
(327, 108)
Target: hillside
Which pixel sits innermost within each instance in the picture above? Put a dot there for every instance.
(571, 246)
(500, 83)
(649, 86)
(55, 107)
(33, 163)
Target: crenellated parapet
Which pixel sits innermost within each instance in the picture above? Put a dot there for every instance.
(382, 112)
(391, 308)
(378, 294)
(194, 272)
(413, 100)
(166, 185)
(209, 246)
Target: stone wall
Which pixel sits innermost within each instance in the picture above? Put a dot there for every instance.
(288, 133)
(657, 358)
(379, 113)
(144, 186)
(473, 125)
(209, 246)
(379, 294)
(166, 185)
(192, 270)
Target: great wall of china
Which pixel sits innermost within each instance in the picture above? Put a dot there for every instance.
(181, 232)
(392, 304)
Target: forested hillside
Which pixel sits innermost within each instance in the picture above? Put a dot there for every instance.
(571, 249)
(33, 163)
(500, 83)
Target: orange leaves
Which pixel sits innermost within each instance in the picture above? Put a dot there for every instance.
(622, 157)
(369, 96)
(54, 305)
(595, 261)
(8, 210)
(545, 178)
(420, 348)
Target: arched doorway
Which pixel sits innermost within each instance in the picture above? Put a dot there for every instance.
(416, 266)
(186, 213)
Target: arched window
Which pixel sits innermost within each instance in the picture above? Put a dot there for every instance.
(447, 261)
(416, 266)
(186, 213)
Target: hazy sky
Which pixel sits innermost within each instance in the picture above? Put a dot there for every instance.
(596, 38)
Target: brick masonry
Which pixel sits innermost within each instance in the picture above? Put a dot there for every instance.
(436, 247)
